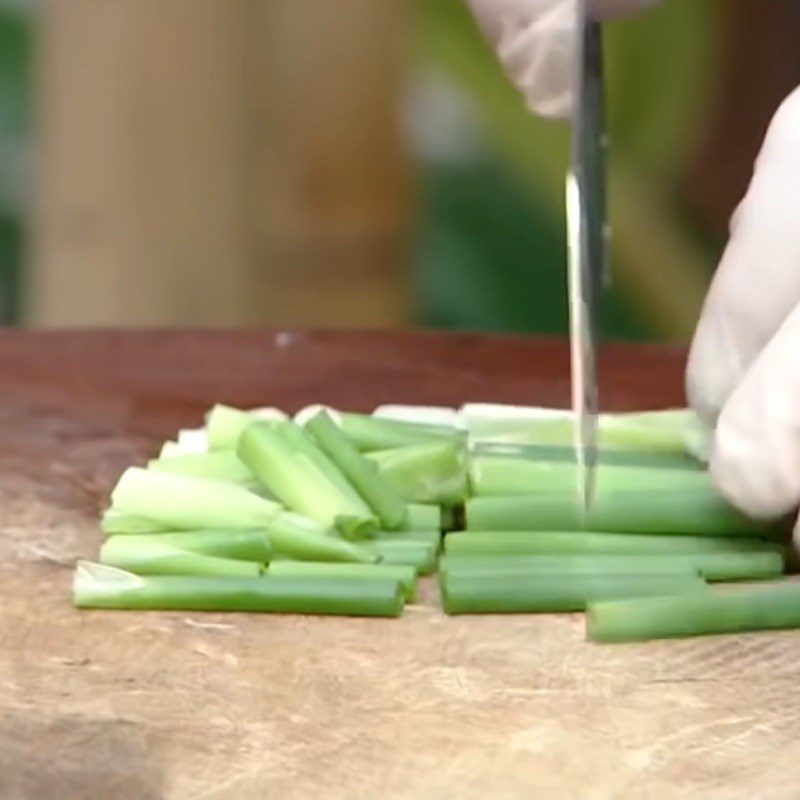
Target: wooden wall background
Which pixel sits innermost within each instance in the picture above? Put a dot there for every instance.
(219, 162)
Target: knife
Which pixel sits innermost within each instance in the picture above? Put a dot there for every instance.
(587, 235)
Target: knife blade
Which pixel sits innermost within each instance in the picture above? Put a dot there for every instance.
(587, 233)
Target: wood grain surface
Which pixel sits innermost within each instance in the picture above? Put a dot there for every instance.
(111, 706)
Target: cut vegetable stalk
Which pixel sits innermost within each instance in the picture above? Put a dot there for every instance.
(686, 615)
(99, 586)
(423, 516)
(376, 433)
(710, 566)
(692, 511)
(294, 536)
(224, 424)
(472, 594)
(376, 490)
(533, 542)
(426, 473)
(297, 478)
(157, 558)
(245, 545)
(399, 550)
(217, 465)
(180, 502)
(406, 576)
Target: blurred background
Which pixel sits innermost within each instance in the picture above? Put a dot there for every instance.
(358, 163)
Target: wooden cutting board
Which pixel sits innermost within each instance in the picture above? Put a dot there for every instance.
(124, 705)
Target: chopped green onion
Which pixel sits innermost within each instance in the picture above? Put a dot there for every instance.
(539, 542)
(406, 576)
(99, 586)
(688, 615)
(473, 594)
(692, 511)
(154, 557)
(285, 465)
(423, 516)
(115, 522)
(246, 545)
(490, 476)
(376, 490)
(400, 550)
(224, 424)
(294, 536)
(426, 473)
(217, 465)
(431, 537)
(377, 433)
(180, 502)
(711, 566)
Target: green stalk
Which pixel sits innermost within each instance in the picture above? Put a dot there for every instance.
(711, 566)
(423, 516)
(413, 553)
(217, 465)
(157, 558)
(431, 537)
(492, 476)
(180, 502)
(690, 511)
(426, 473)
(472, 594)
(406, 576)
(224, 424)
(296, 537)
(99, 586)
(686, 615)
(245, 545)
(541, 542)
(285, 465)
(115, 522)
(377, 433)
(375, 489)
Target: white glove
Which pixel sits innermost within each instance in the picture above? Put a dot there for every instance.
(744, 363)
(534, 40)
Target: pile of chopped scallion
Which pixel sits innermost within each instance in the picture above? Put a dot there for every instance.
(339, 513)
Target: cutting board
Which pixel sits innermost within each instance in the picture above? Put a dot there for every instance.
(117, 705)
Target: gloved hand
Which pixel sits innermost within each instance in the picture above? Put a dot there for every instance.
(534, 40)
(744, 365)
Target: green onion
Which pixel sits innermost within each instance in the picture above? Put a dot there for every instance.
(294, 536)
(400, 550)
(422, 517)
(539, 542)
(379, 493)
(691, 511)
(711, 566)
(154, 557)
(404, 575)
(224, 424)
(115, 522)
(99, 586)
(246, 545)
(490, 476)
(180, 502)
(377, 433)
(217, 465)
(431, 537)
(291, 467)
(474, 594)
(687, 615)
(426, 473)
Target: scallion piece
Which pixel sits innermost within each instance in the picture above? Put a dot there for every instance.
(431, 537)
(283, 463)
(154, 557)
(100, 586)
(692, 511)
(377, 433)
(294, 536)
(224, 424)
(711, 566)
(539, 542)
(246, 545)
(423, 516)
(180, 502)
(678, 615)
(400, 550)
(426, 473)
(376, 490)
(472, 594)
(216, 465)
(406, 576)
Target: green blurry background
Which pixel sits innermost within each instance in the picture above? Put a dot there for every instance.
(688, 105)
